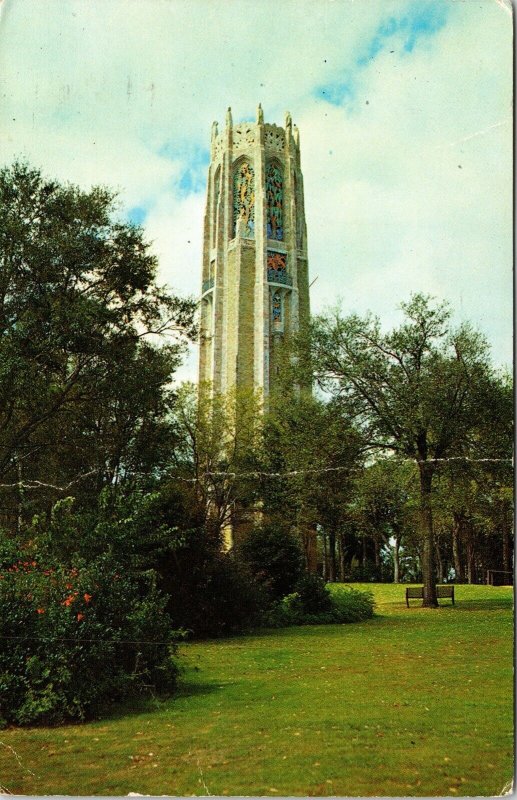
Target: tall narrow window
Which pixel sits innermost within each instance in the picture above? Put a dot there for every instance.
(217, 188)
(276, 311)
(244, 198)
(275, 202)
(299, 210)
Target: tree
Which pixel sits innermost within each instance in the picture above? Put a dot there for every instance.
(310, 451)
(84, 386)
(421, 392)
(380, 506)
(216, 440)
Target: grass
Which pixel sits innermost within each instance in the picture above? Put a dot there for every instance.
(412, 702)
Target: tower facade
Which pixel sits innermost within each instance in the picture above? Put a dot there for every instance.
(255, 289)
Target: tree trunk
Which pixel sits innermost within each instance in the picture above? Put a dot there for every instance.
(377, 553)
(20, 497)
(426, 522)
(506, 548)
(396, 561)
(456, 551)
(341, 554)
(364, 552)
(324, 553)
(470, 558)
(332, 557)
(440, 563)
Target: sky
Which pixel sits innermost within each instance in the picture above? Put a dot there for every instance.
(404, 109)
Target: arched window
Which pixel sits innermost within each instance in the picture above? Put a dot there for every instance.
(217, 189)
(244, 198)
(275, 202)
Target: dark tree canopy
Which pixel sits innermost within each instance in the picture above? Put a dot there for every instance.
(83, 384)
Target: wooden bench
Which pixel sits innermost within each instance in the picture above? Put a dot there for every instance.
(418, 592)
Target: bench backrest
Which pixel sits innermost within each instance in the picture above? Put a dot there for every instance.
(441, 591)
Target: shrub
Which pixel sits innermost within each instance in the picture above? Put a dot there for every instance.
(318, 606)
(314, 596)
(352, 605)
(213, 594)
(274, 557)
(73, 639)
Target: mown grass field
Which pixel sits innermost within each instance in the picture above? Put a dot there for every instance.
(413, 702)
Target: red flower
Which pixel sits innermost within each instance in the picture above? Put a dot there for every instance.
(87, 597)
(80, 617)
(69, 600)
(41, 610)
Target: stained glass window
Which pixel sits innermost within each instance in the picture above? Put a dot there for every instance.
(276, 266)
(275, 202)
(244, 198)
(277, 309)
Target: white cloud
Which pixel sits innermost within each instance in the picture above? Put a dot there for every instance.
(403, 192)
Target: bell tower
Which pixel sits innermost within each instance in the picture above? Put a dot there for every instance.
(255, 290)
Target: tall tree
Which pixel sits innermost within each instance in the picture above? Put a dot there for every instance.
(83, 382)
(420, 391)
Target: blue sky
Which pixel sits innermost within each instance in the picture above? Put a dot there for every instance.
(399, 34)
(404, 112)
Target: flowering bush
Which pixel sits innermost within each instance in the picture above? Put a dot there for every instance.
(75, 638)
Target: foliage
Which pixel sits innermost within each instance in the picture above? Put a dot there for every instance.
(314, 597)
(314, 604)
(274, 557)
(84, 383)
(73, 638)
(211, 594)
(315, 444)
(422, 391)
(352, 604)
(381, 506)
(216, 439)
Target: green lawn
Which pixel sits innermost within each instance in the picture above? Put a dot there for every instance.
(413, 702)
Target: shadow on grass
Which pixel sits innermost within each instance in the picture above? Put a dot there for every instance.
(484, 605)
(145, 705)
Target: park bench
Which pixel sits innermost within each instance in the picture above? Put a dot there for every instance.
(418, 592)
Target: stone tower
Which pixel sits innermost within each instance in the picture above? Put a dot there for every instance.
(255, 288)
